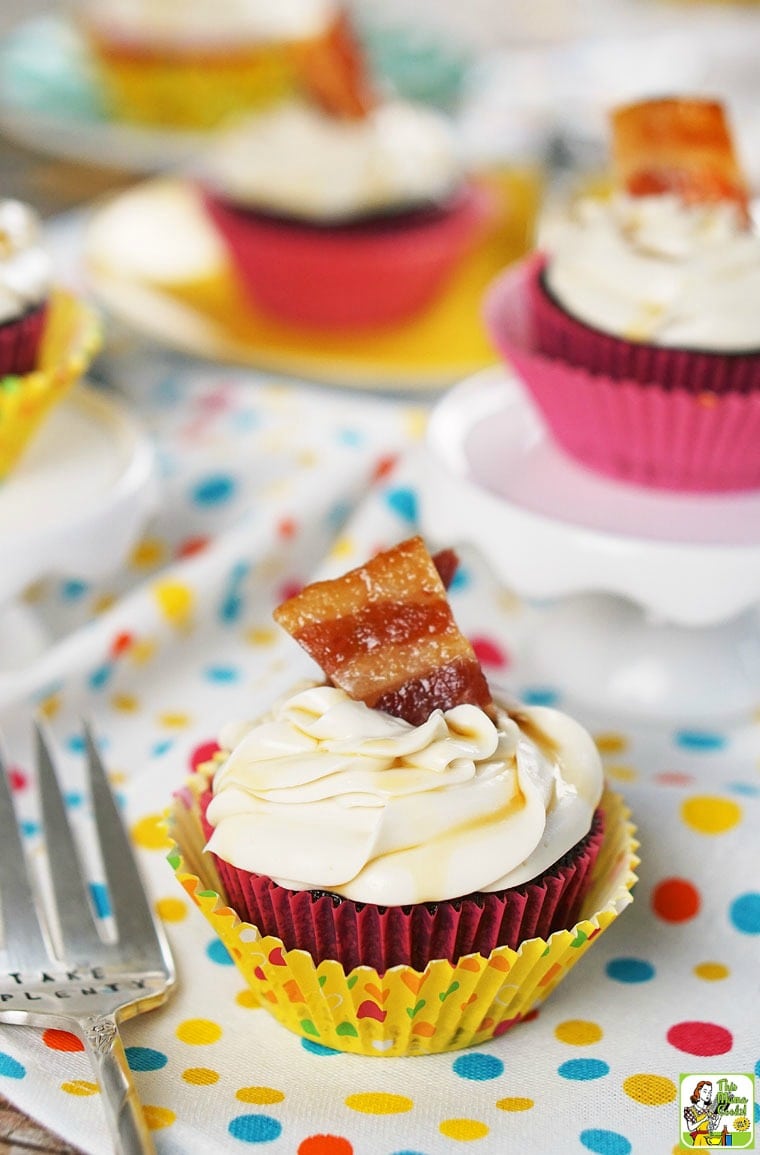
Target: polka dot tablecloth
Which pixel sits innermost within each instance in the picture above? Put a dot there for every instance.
(264, 486)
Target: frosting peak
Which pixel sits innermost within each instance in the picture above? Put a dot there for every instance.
(25, 266)
(329, 794)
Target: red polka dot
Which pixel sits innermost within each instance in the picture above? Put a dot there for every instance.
(286, 527)
(675, 900)
(191, 546)
(674, 778)
(489, 653)
(62, 1041)
(700, 1038)
(289, 590)
(203, 753)
(17, 778)
(325, 1145)
(384, 466)
(121, 644)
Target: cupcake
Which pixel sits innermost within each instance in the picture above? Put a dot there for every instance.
(342, 210)
(25, 281)
(633, 328)
(190, 64)
(396, 834)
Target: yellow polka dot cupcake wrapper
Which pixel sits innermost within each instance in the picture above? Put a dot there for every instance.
(71, 339)
(404, 1011)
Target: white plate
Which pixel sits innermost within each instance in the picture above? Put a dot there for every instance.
(77, 500)
(493, 478)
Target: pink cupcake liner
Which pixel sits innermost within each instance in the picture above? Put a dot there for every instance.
(649, 434)
(563, 337)
(356, 934)
(20, 341)
(361, 276)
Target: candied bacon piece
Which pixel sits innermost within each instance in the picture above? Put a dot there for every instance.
(384, 632)
(683, 146)
(334, 72)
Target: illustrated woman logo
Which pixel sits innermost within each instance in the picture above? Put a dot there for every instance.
(702, 1118)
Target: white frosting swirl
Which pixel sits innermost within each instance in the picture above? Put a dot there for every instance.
(655, 270)
(328, 794)
(25, 265)
(296, 160)
(207, 22)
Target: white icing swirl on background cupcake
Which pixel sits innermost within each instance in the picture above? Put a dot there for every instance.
(652, 269)
(296, 160)
(208, 22)
(326, 793)
(25, 265)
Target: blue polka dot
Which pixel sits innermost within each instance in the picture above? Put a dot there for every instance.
(216, 489)
(73, 799)
(162, 747)
(478, 1067)
(168, 391)
(145, 1058)
(218, 953)
(232, 604)
(222, 674)
(350, 437)
(461, 579)
(72, 590)
(255, 1128)
(245, 419)
(337, 515)
(605, 1142)
(11, 1067)
(406, 1151)
(757, 1112)
(744, 913)
(757, 1068)
(29, 828)
(630, 970)
(100, 899)
(539, 696)
(318, 1048)
(700, 740)
(582, 1070)
(748, 789)
(76, 744)
(101, 677)
(403, 502)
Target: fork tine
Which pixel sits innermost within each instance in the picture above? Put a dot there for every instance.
(140, 935)
(79, 934)
(24, 939)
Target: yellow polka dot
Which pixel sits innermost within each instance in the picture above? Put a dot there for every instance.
(578, 1032)
(171, 909)
(103, 603)
(198, 1032)
(260, 636)
(150, 833)
(80, 1087)
(622, 773)
(515, 1104)
(343, 547)
(142, 651)
(158, 1117)
(200, 1076)
(651, 1090)
(247, 998)
(173, 721)
(710, 815)
(50, 707)
(610, 743)
(416, 421)
(125, 703)
(148, 552)
(379, 1103)
(175, 601)
(711, 972)
(259, 1095)
(463, 1129)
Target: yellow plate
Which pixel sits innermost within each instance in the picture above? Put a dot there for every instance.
(154, 262)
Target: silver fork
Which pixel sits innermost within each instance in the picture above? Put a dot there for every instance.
(60, 970)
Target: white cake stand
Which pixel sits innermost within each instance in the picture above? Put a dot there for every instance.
(655, 595)
(72, 508)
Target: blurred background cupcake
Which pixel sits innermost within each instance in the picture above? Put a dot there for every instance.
(634, 328)
(190, 64)
(25, 281)
(342, 209)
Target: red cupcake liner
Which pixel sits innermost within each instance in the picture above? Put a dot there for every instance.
(328, 926)
(649, 434)
(349, 277)
(563, 337)
(20, 341)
